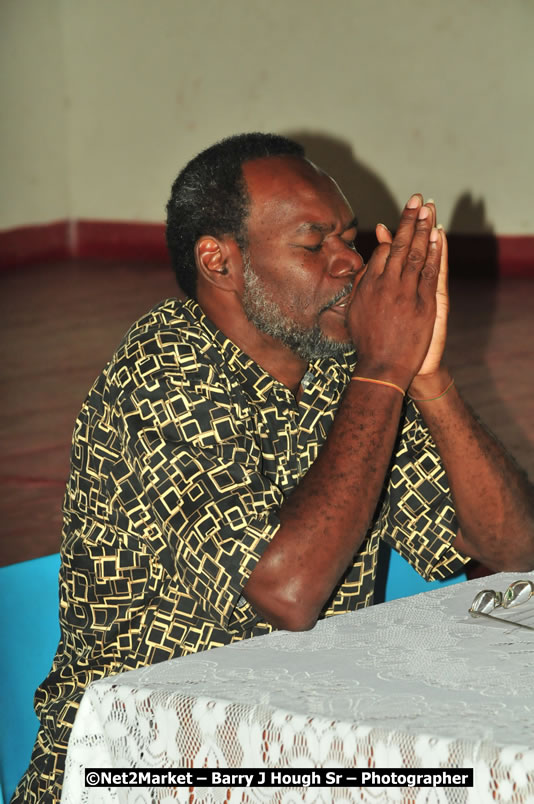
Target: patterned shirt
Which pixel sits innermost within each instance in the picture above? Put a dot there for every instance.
(182, 455)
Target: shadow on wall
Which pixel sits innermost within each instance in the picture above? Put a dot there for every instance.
(472, 242)
(473, 250)
(472, 258)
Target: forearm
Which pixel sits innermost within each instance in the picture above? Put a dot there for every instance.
(390, 320)
(493, 498)
(328, 515)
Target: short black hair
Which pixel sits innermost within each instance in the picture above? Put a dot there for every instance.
(209, 197)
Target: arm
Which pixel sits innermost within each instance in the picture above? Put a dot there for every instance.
(493, 498)
(327, 517)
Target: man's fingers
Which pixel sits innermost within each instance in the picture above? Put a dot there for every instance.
(418, 252)
(383, 235)
(379, 256)
(431, 204)
(430, 274)
(376, 264)
(402, 241)
(408, 252)
(443, 279)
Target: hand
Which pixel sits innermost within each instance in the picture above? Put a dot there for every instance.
(432, 361)
(392, 315)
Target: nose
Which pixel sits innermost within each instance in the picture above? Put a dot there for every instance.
(345, 262)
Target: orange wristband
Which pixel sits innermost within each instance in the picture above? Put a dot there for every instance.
(380, 382)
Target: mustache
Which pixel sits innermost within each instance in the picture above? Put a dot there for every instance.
(346, 291)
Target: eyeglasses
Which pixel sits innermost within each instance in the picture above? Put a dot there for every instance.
(486, 601)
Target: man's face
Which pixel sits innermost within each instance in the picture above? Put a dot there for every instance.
(300, 263)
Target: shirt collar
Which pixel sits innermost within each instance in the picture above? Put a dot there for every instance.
(251, 375)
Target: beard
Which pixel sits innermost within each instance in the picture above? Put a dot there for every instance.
(267, 316)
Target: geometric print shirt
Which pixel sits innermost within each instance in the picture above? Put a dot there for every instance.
(182, 455)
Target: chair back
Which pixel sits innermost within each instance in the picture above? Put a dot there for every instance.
(29, 635)
(402, 580)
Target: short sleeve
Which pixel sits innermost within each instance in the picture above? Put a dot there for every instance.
(417, 516)
(193, 451)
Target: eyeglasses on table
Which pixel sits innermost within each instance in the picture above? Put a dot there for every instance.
(488, 600)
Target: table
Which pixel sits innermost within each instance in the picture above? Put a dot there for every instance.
(413, 683)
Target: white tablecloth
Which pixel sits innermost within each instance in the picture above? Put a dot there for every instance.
(414, 683)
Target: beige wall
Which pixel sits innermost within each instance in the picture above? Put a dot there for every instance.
(34, 181)
(107, 99)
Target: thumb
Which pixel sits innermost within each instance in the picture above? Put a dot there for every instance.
(383, 235)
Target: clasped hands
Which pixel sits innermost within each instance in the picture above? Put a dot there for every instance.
(398, 314)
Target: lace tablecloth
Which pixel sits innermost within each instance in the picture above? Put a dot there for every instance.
(414, 683)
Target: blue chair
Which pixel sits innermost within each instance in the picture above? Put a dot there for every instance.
(29, 635)
(402, 580)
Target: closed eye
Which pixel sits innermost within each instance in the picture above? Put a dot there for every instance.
(350, 234)
(350, 243)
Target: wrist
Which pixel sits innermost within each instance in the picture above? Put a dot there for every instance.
(396, 375)
(427, 387)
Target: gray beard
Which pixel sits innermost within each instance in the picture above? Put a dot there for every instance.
(266, 315)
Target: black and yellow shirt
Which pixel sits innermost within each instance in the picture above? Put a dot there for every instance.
(182, 455)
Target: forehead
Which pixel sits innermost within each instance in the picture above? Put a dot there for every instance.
(288, 190)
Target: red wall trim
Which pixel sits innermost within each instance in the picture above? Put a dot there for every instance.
(516, 255)
(85, 238)
(122, 240)
(470, 255)
(27, 244)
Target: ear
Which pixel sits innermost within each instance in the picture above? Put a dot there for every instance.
(218, 261)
